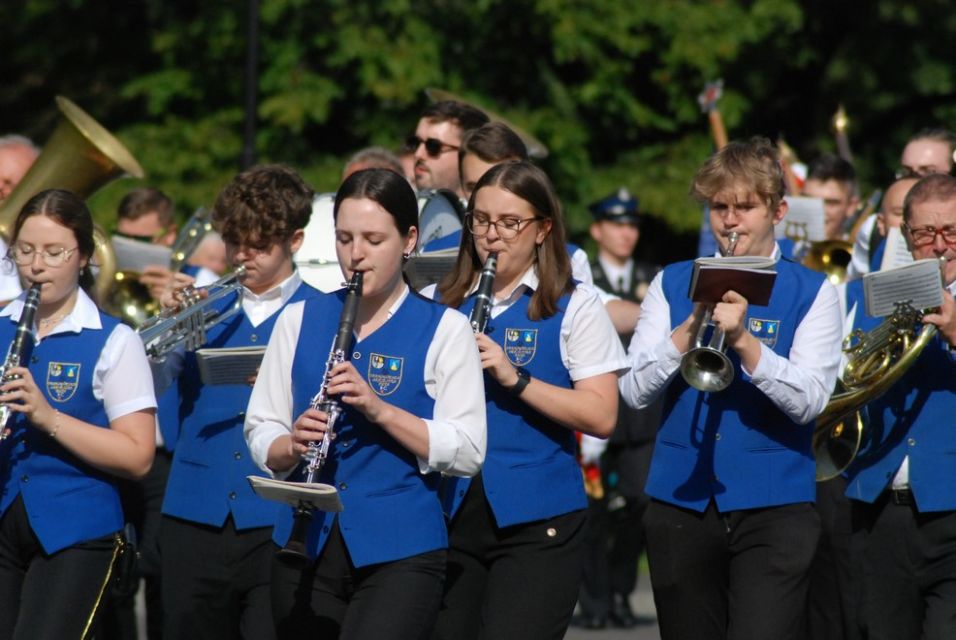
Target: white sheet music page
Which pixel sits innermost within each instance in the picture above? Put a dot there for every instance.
(133, 255)
(895, 253)
(804, 220)
(920, 284)
(234, 365)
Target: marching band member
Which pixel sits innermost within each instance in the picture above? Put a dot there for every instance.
(84, 414)
(551, 359)
(901, 484)
(412, 394)
(731, 528)
(215, 533)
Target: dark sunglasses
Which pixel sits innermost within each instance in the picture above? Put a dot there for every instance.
(433, 146)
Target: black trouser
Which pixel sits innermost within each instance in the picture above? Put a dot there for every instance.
(510, 582)
(48, 597)
(741, 575)
(142, 505)
(626, 532)
(215, 581)
(332, 598)
(832, 596)
(595, 594)
(908, 580)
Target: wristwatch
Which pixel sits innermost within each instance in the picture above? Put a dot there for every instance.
(523, 379)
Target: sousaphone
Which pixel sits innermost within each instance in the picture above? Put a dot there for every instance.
(81, 156)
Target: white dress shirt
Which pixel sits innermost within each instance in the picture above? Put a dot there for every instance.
(121, 376)
(457, 431)
(589, 345)
(9, 276)
(860, 256)
(800, 385)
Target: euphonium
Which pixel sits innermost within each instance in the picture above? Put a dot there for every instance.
(876, 360)
(478, 318)
(707, 367)
(294, 551)
(831, 257)
(22, 340)
(197, 314)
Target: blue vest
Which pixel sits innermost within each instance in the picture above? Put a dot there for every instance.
(876, 254)
(167, 409)
(391, 510)
(207, 481)
(67, 501)
(530, 472)
(735, 446)
(914, 418)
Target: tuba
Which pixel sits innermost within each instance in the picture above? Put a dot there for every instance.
(707, 367)
(830, 257)
(81, 156)
(876, 360)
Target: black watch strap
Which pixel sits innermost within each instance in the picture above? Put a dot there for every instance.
(523, 379)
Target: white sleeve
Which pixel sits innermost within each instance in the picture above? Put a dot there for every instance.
(589, 344)
(581, 268)
(860, 257)
(457, 431)
(653, 357)
(269, 414)
(121, 376)
(801, 384)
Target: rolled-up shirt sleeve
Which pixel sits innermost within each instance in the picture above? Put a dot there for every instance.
(457, 430)
(653, 357)
(269, 414)
(800, 385)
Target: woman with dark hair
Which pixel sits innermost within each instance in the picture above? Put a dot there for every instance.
(551, 359)
(412, 399)
(83, 414)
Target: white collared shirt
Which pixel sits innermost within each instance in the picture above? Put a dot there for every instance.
(457, 432)
(800, 385)
(9, 275)
(121, 376)
(589, 345)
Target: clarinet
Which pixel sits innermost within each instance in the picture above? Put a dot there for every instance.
(482, 309)
(294, 552)
(22, 341)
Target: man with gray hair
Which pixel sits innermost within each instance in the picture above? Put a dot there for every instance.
(17, 154)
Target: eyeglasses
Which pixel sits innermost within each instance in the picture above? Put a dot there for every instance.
(506, 228)
(433, 146)
(24, 255)
(923, 236)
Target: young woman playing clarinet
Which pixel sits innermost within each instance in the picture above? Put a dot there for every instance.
(551, 359)
(412, 404)
(82, 413)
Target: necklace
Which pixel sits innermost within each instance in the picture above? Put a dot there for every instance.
(53, 320)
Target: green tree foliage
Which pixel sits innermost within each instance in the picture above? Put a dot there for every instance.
(609, 87)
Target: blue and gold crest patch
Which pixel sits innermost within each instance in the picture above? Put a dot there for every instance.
(520, 345)
(62, 379)
(765, 330)
(384, 373)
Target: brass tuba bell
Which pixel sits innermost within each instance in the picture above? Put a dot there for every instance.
(830, 257)
(81, 156)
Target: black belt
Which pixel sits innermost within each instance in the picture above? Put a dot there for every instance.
(901, 496)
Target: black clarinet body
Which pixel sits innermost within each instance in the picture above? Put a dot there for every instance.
(294, 551)
(22, 341)
(481, 312)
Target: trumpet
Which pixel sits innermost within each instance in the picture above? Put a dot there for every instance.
(707, 367)
(22, 340)
(876, 360)
(294, 551)
(478, 318)
(189, 322)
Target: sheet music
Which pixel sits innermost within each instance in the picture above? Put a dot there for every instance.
(895, 252)
(133, 255)
(804, 220)
(919, 283)
(233, 365)
(322, 497)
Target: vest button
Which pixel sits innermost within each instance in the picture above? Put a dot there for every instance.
(253, 337)
(24, 478)
(356, 356)
(343, 486)
(345, 445)
(911, 442)
(717, 437)
(232, 495)
(34, 359)
(552, 532)
(241, 414)
(237, 455)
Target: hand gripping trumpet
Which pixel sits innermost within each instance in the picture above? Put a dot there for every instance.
(478, 318)
(196, 314)
(707, 367)
(22, 340)
(294, 551)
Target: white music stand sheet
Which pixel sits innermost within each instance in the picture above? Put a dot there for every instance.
(804, 220)
(233, 365)
(133, 255)
(322, 497)
(895, 253)
(920, 284)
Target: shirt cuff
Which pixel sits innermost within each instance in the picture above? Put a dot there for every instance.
(262, 438)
